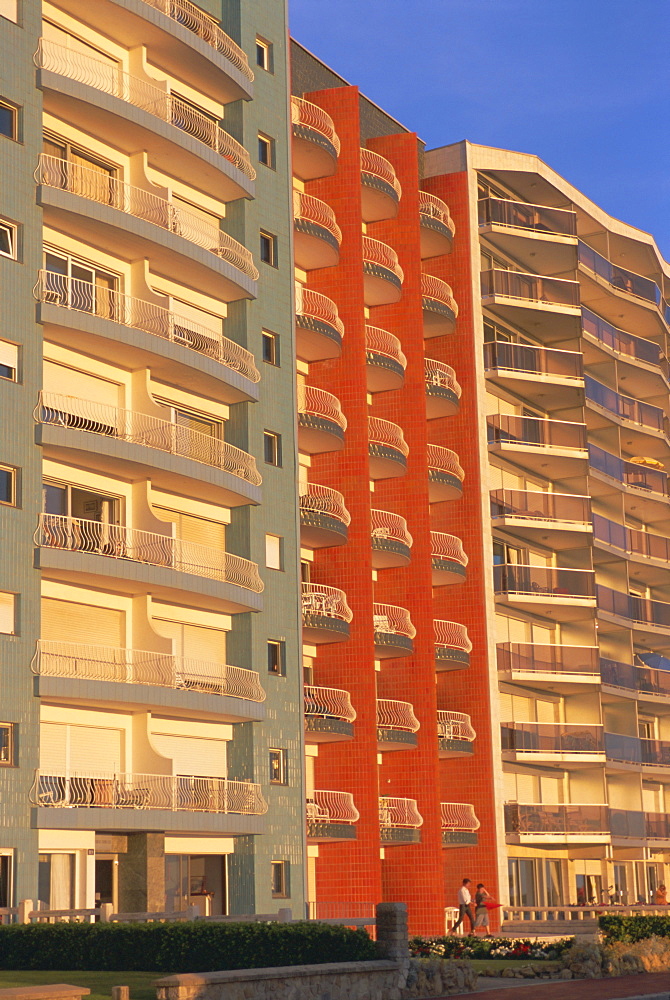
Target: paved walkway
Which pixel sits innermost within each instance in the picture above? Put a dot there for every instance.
(656, 985)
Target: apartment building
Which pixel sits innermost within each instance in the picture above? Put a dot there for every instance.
(151, 734)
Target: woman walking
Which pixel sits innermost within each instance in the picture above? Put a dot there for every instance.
(481, 909)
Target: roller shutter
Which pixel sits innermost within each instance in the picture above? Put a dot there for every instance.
(194, 642)
(93, 749)
(193, 755)
(53, 748)
(67, 621)
(66, 381)
(195, 529)
(7, 614)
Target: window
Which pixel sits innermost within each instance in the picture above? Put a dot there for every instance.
(7, 613)
(5, 878)
(272, 447)
(278, 769)
(264, 54)
(280, 882)
(7, 117)
(276, 656)
(10, 10)
(274, 554)
(8, 240)
(268, 248)
(9, 360)
(7, 485)
(6, 744)
(266, 150)
(270, 348)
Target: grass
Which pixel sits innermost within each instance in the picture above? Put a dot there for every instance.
(99, 983)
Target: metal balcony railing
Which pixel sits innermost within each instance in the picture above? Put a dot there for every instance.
(641, 610)
(125, 790)
(310, 209)
(75, 534)
(379, 166)
(323, 500)
(108, 303)
(399, 813)
(531, 505)
(315, 402)
(459, 816)
(628, 473)
(444, 460)
(318, 307)
(387, 434)
(191, 17)
(396, 715)
(328, 703)
(101, 75)
(519, 215)
(623, 342)
(626, 407)
(313, 117)
(328, 602)
(631, 540)
(93, 185)
(452, 634)
(376, 252)
(433, 207)
(547, 659)
(530, 287)
(389, 526)
(536, 432)
(619, 277)
(550, 581)
(569, 818)
(447, 547)
(441, 375)
(392, 620)
(331, 807)
(533, 360)
(455, 726)
(378, 341)
(83, 661)
(438, 290)
(143, 429)
(552, 737)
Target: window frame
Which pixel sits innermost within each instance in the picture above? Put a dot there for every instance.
(10, 745)
(280, 551)
(284, 867)
(12, 231)
(15, 376)
(264, 54)
(280, 646)
(280, 755)
(270, 240)
(13, 471)
(271, 356)
(14, 113)
(276, 439)
(266, 142)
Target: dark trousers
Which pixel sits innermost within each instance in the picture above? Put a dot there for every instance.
(464, 910)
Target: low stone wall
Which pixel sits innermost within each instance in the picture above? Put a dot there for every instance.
(60, 991)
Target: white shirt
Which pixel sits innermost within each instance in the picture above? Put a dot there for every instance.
(464, 897)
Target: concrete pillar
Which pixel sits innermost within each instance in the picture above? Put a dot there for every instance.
(392, 931)
(142, 874)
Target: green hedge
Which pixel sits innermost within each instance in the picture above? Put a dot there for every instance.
(629, 929)
(178, 947)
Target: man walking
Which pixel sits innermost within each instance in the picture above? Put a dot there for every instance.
(464, 907)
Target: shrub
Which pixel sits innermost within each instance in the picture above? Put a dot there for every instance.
(178, 947)
(477, 947)
(615, 928)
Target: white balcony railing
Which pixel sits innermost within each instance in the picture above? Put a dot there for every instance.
(445, 460)
(108, 303)
(379, 166)
(82, 661)
(402, 813)
(311, 209)
(124, 790)
(331, 807)
(438, 290)
(435, 208)
(191, 17)
(389, 526)
(396, 715)
(378, 341)
(93, 185)
(143, 429)
(328, 703)
(441, 375)
(315, 402)
(323, 500)
(328, 602)
(387, 434)
(102, 75)
(376, 252)
(452, 634)
(318, 307)
(447, 547)
(459, 816)
(312, 116)
(75, 534)
(393, 620)
(455, 726)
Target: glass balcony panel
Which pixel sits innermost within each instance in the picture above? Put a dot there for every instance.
(628, 473)
(511, 578)
(543, 818)
(526, 656)
(631, 539)
(623, 748)
(638, 609)
(541, 737)
(532, 360)
(519, 215)
(657, 826)
(624, 406)
(627, 823)
(540, 506)
(620, 341)
(619, 277)
(535, 431)
(531, 287)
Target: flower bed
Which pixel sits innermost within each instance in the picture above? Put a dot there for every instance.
(521, 949)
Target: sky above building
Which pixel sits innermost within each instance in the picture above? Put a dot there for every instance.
(584, 84)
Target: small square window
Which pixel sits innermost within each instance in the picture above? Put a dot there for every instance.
(7, 486)
(266, 150)
(7, 240)
(264, 54)
(276, 656)
(8, 120)
(270, 348)
(6, 744)
(272, 447)
(280, 879)
(9, 360)
(9, 9)
(278, 770)
(268, 248)
(274, 554)
(7, 613)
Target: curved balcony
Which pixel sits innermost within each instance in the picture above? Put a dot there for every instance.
(645, 683)
(445, 474)
(440, 310)
(643, 355)
(571, 823)
(526, 299)
(552, 666)
(382, 274)
(385, 362)
(329, 715)
(391, 541)
(455, 735)
(394, 631)
(113, 438)
(570, 744)
(619, 294)
(321, 423)
(380, 188)
(79, 550)
(318, 327)
(316, 144)
(452, 646)
(179, 139)
(459, 824)
(642, 421)
(185, 13)
(137, 220)
(331, 817)
(558, 593)
(325, 614)
(443, 392)
(387, 449)
(399, 821)
(437, 227)
(448, 559)
(146, 679)
(642, 546)
(537, 236)
(324, 519)
(316, 234)
(642, 479)
(397, 725)
(540, 443)
(553, 518)
(649, 756)
(643, 614)
(557, 377)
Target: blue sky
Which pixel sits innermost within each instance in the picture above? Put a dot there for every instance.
(585, 84)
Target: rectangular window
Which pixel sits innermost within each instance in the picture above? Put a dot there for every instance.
(264, 54)
(274, 556)
(266, 150)
(7, 613)
(268, 248)
(7, 485)
(9, 360)
(10, 10)
(8, 240)
(278, 769)
(272, 447)
(8, 120)
(280, 879)
(6, 744)
(270, 348)
(5, 879)
(276, 656)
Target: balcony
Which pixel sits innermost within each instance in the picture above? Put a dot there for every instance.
(171, 799)
(618, 294)
(382, 274)
(440, 310)
(643, 480)
(325, 614)
(397, 725)
(437, 227)
(643, 614)
(324, 519)
(146, 679)
(525, 300)
(455, 735)
(399, 821)
(390, 540)
(445, 474)
(632, 753)
(459, 824)
(176, 349)
(561, 520)
(569, 744)
(329, 715)
(316, 234)
(556, 378)
(179, 139)
(134, 221)
(387, 449)
(321, 423)
(646, 684)
(558, 445)
(642, 421)
(80, 551)
(448, 559)
(642, 546)
(552, 591)
(536, 236)
(316, 145)
(642, 354)
(380, 188)
(318, 327)
(331, 817)
(657, 826)
(572, 823)
(452, 646)
(394, 631)
(551, 666)
(385, 362)
(113, 438)
(443, 392)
